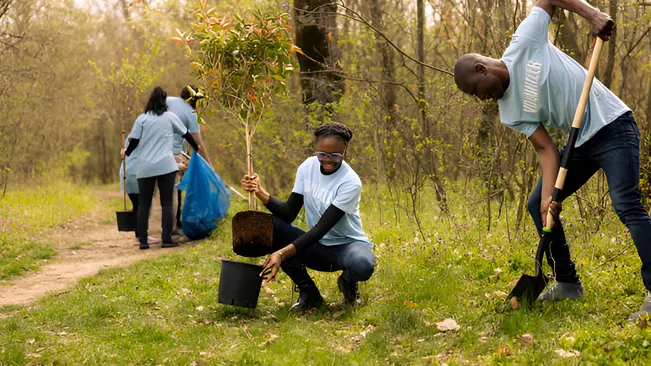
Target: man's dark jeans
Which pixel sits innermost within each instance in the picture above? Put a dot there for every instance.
(616, 150)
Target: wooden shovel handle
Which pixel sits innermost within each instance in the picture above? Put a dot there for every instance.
(576, 124)
(124, 171)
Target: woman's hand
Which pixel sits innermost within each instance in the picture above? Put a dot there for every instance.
(554, 207)
(271, 266)
(122, 153)
(251, 183)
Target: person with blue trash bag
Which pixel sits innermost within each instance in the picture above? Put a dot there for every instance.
(207, 198)
(152, 134)
(184, 106)
(330, 191)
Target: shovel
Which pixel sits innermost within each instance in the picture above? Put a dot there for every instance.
(252, 230)
(528, 287)
(127, 220)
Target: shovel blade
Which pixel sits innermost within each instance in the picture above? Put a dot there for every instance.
(528, 289)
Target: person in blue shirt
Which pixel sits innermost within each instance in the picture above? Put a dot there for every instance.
(152, 135)
(184, 107)
(537, 86)
(132, 184)
(131, 188)
(330, 191)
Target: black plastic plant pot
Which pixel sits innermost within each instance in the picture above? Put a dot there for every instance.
(239, 284)
(127, 220)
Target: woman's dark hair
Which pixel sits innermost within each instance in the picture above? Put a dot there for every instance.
(334, 129)
(187, 96)
(156, 103)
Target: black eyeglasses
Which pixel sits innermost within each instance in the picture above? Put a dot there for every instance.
(336, 157)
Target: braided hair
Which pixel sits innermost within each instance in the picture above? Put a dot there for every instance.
(334, 129)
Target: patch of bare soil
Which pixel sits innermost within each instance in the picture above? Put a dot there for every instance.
(85, 246)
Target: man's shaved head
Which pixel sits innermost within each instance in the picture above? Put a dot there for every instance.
(464, 71)
(481, 76)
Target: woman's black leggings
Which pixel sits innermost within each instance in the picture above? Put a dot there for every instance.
(134, 201)
(166, 189)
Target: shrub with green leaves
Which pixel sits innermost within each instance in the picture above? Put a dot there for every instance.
(240, 61)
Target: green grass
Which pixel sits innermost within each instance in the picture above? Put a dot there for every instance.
(26, 217)
(165, 310)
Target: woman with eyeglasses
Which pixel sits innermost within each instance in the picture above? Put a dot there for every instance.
(330, 191)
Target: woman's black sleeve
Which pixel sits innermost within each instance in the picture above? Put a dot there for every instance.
(188, 137)
(133, 143)
(330, 218)
(287, 211)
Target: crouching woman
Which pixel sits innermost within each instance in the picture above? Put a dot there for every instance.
(330, 191)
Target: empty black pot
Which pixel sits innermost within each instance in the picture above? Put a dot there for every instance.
(127, 220)
(239, 284)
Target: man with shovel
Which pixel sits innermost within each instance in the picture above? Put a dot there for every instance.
(538, 86)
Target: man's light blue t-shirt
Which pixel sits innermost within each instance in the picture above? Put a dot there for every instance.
(155, 147)
(186, 114)
(546, 84)
(343, 189)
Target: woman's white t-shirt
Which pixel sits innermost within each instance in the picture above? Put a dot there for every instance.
(343, 189)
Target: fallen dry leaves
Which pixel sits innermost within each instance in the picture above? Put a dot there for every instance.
(567, 337)
(447, 325)
(410, 303)
(270, 337)
(566, 354)
(503, 351)
(246, 331)
(526, 339)
(496, 295)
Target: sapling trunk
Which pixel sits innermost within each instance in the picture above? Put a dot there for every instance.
(249, 162)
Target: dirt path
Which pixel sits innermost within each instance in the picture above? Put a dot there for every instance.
(85, 246)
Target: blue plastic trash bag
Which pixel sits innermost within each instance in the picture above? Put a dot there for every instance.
(206, 199)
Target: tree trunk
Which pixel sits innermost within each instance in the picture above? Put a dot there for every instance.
(569, 35)
(648, 108)
(612, 48)
(316, 35)
(420, 39)
(104, 155)
(488, 110)
(387, 89)
(645, 162)
(4, 7)
(431, 165)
